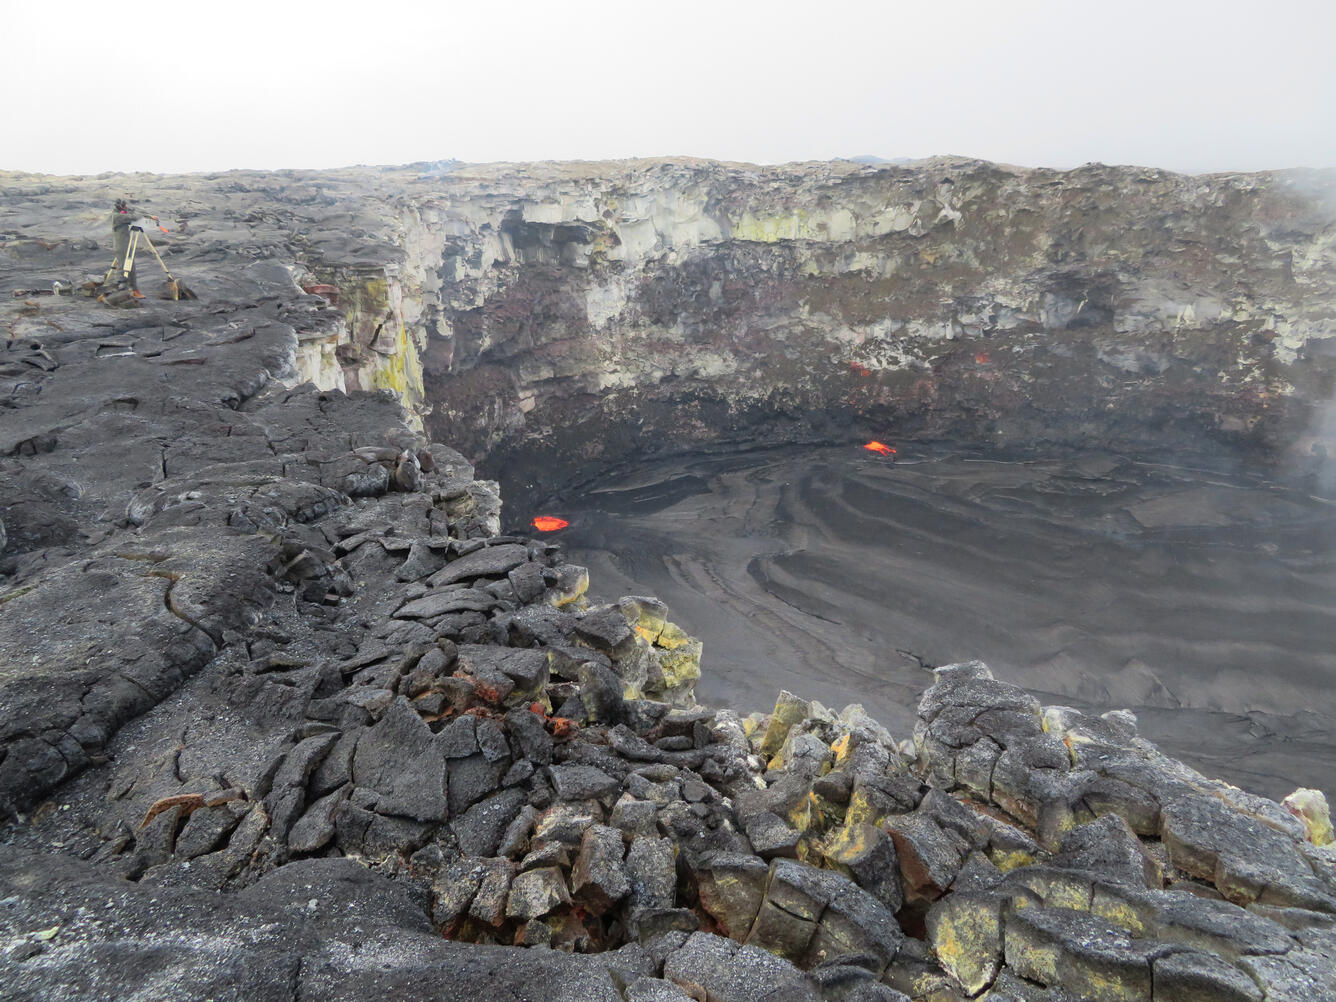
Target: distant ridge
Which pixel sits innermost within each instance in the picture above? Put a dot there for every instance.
(868, 158)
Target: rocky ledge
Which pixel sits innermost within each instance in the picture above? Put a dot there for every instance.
(283, 714)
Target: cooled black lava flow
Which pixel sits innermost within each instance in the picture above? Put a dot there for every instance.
(1204, 601)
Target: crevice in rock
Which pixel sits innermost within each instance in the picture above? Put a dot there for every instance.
(168, 599)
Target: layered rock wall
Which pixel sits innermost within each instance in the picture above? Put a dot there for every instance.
(580, 313)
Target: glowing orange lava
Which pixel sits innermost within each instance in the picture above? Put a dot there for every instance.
(862, 370)
(549, 523)
(880, 447)
(983, 358)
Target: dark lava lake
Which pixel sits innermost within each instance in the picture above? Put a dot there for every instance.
(1203, 601)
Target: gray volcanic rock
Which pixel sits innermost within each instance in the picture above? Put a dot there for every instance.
(400, 761)
(283, 712)
(722, 970)
(307, 930)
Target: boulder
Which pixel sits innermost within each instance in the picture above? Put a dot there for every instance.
(732, 887)
(1079, 953)
(598, 878)
(1246, 859)
(479, 830)
(867, 854)
(488, 561)
(582, 782)
(399, 760)
(535, 893)
(1109, 847)
(965, 932)
(718, 970)
(493, 894)
(651, 869)
(770, 836)
(789, 710)
(929, 857)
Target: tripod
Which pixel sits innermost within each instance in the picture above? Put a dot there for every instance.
(175, 287)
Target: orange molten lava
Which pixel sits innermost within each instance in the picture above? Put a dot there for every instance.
(983, 358)
(549, 523)
(862, 370)
(880, 447)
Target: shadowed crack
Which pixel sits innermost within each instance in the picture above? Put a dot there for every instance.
(168, 600)
(918, 659)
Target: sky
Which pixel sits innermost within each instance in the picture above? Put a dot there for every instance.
(187, 86)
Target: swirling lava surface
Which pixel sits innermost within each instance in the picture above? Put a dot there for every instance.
(1205, 602)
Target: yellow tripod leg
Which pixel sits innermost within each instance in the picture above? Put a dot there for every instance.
(106, 279)
(158, 256)
(177, 290)
(130, 255)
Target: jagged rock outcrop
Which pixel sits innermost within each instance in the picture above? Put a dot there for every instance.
(281, 706)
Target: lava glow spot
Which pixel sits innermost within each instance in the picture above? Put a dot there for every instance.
(861, 370)
(880, 447)
(983, 358)
(549, 523)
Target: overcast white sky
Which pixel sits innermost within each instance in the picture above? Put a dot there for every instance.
(190, 86)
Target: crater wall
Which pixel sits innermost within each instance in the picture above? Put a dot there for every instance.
(577, 313)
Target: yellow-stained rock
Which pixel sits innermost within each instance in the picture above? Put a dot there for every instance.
(1310, 807)
(829, 815)
(1107, 904)
(672, 636)
(681, 664)
(866, 855)
(400, 371)
(789, 710)
(842, 747)
(862, 811)
(1054, 820)
(732, 888)
(1034, 961)
(569, 589)
(783, 758)
(1009, 860)
(965, 931)
(801, 816)
(647, 616)
(1090, 959)
(1055, 888)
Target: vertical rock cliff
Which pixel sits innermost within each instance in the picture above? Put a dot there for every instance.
(579, 312)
